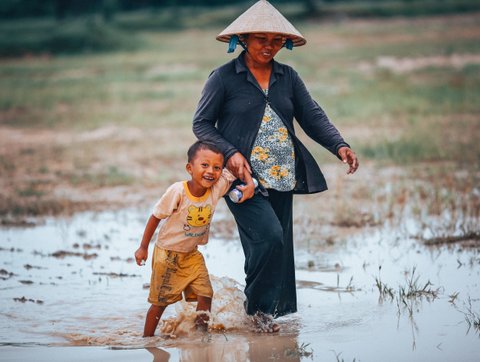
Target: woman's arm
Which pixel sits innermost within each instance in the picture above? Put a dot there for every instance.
(207, 114)
(313, 119)
(316, 125)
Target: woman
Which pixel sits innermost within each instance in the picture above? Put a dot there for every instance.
(247, 109)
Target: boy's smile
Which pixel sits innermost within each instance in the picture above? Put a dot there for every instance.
(205, 169)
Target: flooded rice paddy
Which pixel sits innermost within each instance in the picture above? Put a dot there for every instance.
(70, 287)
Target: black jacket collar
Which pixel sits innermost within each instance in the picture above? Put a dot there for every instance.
(241, 66)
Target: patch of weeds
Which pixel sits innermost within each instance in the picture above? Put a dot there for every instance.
(450, 239)
(410, 294)
(384, 290)
(29, 191)
(414, 290)
(453, 297)
(404, 150)
(347, 217)
(299, 351)
(471, 317)
(111, 177)
(116, 177)
(43, 169)
(340, 359)
(24, 300)
(6, 164)
(349, 288)
(61, 254)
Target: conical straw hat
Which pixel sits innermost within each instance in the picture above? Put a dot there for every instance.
(262, 17)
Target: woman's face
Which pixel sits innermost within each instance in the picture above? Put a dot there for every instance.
(262, 47)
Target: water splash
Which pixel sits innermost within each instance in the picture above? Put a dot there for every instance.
(227, 313)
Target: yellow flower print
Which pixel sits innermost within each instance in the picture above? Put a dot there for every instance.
(264, 183)
(260, 153)
(278, 172)
(266, 118)
(282, 134)
(293, 154)
(275, 172)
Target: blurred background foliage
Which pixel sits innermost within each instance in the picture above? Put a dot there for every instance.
(74, 26)
(61, 9)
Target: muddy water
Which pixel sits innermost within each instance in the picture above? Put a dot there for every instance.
(73, 282)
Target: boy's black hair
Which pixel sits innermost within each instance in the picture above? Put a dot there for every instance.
(201, 145)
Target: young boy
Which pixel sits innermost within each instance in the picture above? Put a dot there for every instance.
(186, 209)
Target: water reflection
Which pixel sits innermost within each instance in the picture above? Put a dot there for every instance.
(240, 348)
(159, 355)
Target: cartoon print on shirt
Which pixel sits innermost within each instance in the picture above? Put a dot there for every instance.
(199, 216)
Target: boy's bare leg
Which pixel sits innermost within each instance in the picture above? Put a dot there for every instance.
(153, 317)
(203, 304)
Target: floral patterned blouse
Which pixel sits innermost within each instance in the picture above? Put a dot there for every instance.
(273, 154)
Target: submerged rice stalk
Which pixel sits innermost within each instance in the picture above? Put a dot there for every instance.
(337, 356)
(414, 290)
(471, 317)
(299, 351)
(383, 289)
(453, 297)
(406, 297)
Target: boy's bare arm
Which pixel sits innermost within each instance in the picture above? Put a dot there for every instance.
(141, 254)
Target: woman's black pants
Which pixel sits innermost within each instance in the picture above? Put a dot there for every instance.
(265, 225)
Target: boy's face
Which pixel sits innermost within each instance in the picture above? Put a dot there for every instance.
(205, 168)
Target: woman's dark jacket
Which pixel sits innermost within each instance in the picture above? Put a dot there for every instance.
(232, 105)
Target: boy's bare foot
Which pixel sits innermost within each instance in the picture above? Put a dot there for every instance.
(201, 322)
(201, 326)
(264, 323)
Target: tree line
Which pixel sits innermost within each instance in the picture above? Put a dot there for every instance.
(61, 9)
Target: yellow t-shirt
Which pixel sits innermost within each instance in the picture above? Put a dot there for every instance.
(186, 218)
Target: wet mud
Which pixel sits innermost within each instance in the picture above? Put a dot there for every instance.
(375, 295)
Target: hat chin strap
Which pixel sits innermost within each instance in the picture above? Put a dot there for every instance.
(288, 44)
(235, 40)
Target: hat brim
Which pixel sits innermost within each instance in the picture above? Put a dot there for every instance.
(262, 17)
(296, 40)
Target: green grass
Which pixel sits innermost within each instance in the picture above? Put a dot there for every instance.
(110, 177)
(429, 114)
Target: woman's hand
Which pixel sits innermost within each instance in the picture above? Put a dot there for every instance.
(348, 156)
(248, 189)
(238, 165)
